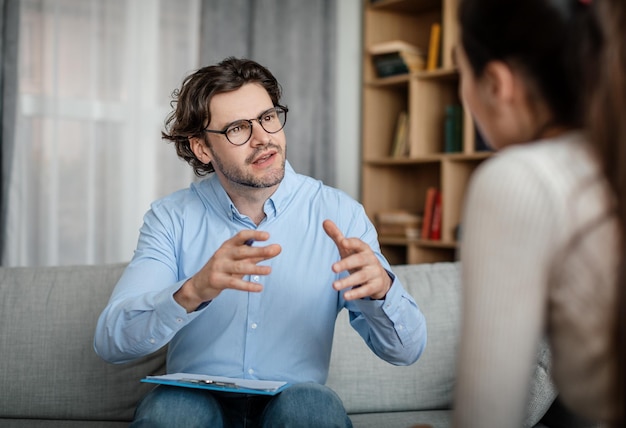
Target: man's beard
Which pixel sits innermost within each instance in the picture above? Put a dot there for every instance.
(240, 177)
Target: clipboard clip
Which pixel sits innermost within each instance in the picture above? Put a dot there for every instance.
(211, 382)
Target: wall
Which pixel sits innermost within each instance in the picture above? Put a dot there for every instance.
(348, 75)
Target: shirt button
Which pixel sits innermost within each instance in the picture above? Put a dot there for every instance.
(250, 371)
(179, 320)
(400, 327)
(152, 340)
(255, 278)
(254, 325)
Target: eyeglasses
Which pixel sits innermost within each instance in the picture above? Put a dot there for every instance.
(238, 133)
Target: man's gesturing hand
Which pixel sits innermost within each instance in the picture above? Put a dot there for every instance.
(367, 276)
(226, 269)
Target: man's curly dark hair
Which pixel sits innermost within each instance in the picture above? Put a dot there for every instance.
(190, 104)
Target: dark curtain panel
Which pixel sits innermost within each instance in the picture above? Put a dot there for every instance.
(296, 40)
(9, 30)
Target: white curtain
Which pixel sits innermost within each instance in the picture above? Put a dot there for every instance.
(95, 82)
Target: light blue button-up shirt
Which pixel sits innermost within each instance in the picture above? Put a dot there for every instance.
(282, 333)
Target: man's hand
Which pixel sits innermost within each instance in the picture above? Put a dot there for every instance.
(367, 276)
(226, 269)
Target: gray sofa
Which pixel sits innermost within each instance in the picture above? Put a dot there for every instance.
(51, 377)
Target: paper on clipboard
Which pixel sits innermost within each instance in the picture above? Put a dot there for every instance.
(219, 383)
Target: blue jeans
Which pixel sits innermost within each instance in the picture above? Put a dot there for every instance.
(301, 405)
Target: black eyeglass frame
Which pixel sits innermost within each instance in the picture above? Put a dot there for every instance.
(224, 131)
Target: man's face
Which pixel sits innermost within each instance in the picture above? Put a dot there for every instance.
(260, 162)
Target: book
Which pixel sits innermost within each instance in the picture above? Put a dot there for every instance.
(399, 146)
(434, 46)
(435, 224)
(398, 223)
(429, 205)
(392, 46)
(219, 383)
(389, 65)
(453, 129)
(396, 57)
(396, 63)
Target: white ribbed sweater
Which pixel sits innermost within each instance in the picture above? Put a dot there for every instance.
(524, 274)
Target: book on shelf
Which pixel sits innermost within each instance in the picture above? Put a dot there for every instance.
(429, 208)
(435, 224)
(453, 129)
(396, 57)
(398, 223)
(399, 147)
(434, 47)
(392, 46)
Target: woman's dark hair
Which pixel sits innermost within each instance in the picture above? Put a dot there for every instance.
(543, 39)
(606, 125)
(573, 52)
(190, 104)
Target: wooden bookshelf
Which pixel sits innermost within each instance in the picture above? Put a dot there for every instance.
(390, 183)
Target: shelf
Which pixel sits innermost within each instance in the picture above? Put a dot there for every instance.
(402, 183)
(428, 159)
(401, 240)
(448, 74)
(402, 161)
(401, 80)
(410, 6)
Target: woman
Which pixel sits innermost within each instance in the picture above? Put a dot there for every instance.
(544, 219)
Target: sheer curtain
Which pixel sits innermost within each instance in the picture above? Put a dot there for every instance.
(95, 79)
(9, 30)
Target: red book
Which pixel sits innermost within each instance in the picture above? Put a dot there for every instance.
(429, 205)
(435, 224)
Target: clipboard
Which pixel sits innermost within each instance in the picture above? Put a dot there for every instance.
(219, 383)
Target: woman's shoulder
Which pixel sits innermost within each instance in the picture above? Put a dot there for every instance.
(540, 177)
(559, 161)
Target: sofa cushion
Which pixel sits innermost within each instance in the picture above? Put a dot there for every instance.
(367, 384)
(433, 418)
(48, 368)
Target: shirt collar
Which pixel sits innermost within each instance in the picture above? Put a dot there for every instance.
(213, 193)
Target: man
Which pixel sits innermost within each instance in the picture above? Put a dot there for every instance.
(243, 274)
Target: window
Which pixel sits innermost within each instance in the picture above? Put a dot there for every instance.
(95, 85)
